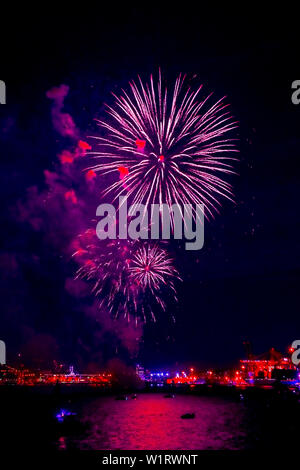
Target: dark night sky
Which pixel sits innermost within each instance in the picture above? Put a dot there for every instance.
(244, 283)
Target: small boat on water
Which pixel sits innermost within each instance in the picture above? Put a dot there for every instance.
(188, 416)
(121, 397)
(169, 395)
(134, 397)
(64, 415)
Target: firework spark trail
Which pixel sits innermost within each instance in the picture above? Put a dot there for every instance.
(173, 149)
(128, 278)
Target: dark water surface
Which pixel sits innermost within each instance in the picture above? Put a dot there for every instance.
(154, 422)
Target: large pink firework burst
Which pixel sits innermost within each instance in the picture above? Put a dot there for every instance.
(129, 278)
(167, 148)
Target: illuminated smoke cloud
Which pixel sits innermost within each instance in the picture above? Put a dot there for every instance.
(61, 211)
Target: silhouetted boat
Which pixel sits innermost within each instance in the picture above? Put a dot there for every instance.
(121, 397)
(169, 395)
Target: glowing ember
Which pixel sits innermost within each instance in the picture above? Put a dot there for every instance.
(66, 157)
(84, 145)
(90, 175)
(123, 171)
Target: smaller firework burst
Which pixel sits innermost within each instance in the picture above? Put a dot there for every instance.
(129, 278)
(151, 268)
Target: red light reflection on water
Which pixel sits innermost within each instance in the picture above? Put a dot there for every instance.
(154, 422)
